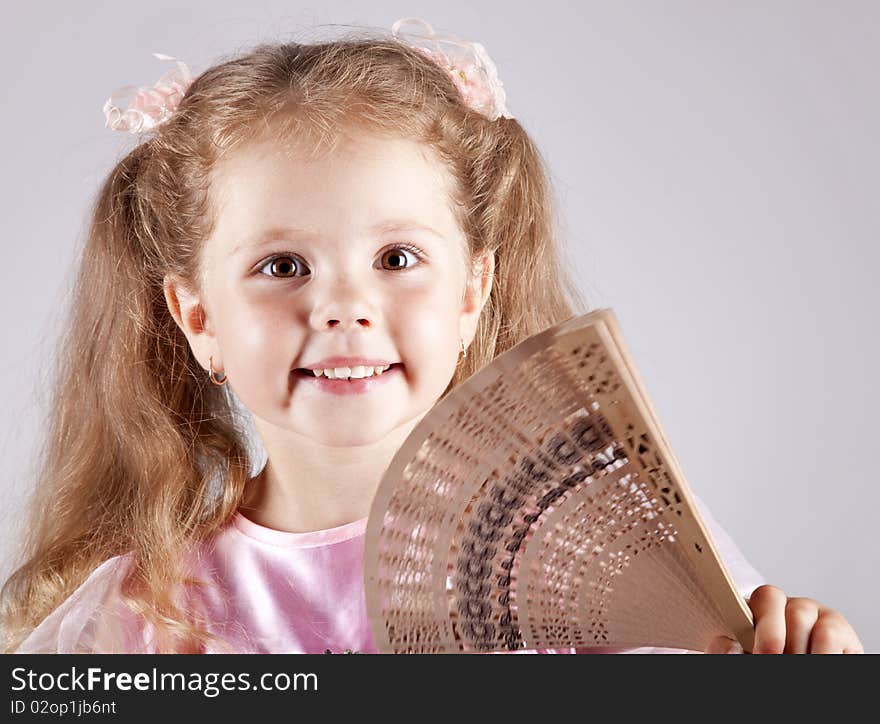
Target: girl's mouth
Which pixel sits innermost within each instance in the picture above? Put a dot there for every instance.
(302, 372)
(346, 386)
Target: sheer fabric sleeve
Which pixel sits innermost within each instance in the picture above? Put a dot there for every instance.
(93, 619)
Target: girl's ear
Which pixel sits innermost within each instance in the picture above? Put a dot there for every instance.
(476, 294)
(188, 312)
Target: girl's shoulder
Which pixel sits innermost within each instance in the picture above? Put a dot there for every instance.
(93, 619)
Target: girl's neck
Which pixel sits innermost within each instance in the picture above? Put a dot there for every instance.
(267, 503)
(300, 493)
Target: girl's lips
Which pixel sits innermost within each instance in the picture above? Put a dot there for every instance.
(348, 387)
(303, 372)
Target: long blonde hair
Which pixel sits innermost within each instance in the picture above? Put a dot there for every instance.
(136, 432)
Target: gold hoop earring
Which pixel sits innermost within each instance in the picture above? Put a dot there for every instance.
(212, 374)
(463, 353)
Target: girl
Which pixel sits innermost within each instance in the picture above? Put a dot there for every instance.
(300, 215)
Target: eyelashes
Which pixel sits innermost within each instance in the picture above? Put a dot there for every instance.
(294, 263)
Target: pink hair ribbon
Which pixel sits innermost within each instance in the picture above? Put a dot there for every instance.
(467, 63)
(148, 107)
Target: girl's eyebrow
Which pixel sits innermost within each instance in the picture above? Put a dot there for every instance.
(290, 232)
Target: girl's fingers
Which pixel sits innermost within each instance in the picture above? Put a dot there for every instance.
(798, 625)
(768, 606)
(832, 634)
(800, 617)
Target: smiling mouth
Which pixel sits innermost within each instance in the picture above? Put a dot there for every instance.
(309, 374)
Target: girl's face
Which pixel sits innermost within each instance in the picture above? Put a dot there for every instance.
(355, 253)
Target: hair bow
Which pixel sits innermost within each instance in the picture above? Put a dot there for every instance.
(148, 106)
(467, 63)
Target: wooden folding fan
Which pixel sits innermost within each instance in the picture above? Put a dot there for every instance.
(539, 505)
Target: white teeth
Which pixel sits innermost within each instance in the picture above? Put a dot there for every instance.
(357, 372)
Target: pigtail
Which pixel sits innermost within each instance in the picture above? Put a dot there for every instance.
(136, 442)
(511, 212)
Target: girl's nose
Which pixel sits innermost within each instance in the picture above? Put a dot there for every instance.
(362, 322)
(348, 301)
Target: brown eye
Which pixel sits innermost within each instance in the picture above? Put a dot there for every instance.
(397, 257)
(281, 267)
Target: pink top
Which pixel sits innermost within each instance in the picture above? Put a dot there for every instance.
(274, 592)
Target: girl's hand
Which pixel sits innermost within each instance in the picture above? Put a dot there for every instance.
(792, 626)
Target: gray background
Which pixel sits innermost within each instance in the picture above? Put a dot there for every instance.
(717, 168)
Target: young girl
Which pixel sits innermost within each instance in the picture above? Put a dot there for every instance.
(297, 216)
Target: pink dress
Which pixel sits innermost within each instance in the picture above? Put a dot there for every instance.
(273, 592)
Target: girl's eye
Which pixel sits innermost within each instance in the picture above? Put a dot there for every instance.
(284, 266)
(397, 258)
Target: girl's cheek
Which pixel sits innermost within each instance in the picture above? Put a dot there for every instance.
(270, 312)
